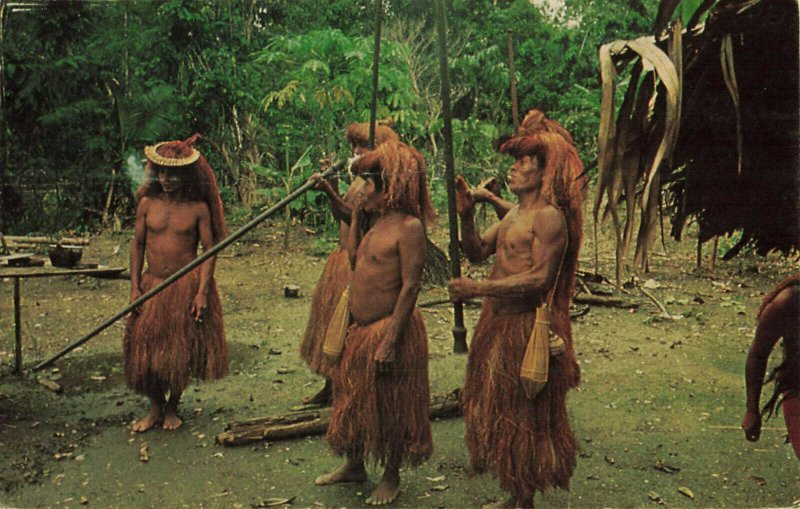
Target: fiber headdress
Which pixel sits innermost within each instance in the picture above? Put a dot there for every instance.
(173, 153)
(562, 184)
(358, 133)
(402, 169)
(201, 184)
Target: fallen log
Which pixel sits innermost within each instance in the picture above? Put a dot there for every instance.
(602, 300)
(73, 241)
(314, 422)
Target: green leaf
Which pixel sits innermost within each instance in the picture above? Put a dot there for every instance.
(688, 8)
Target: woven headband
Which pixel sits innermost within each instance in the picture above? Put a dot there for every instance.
(154, 157)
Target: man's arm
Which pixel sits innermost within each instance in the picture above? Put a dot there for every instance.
(355, 233)
(768, 331)
(341, 210)
(501, 206)
(137, 248)
(547, 249)
(412, 246)
(488, 191)
(206, 234)
(477, 248)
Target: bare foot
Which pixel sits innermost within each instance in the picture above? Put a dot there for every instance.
(148, 421)
(171, 420)
(348, 472)
(323, 397)
(385, 493)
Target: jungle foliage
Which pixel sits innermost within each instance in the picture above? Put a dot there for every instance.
(85, 85)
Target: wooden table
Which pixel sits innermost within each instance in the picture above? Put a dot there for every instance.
(17, 273)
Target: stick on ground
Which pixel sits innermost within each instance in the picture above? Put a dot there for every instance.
(314, 422)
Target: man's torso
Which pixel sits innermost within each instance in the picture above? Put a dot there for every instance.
(377, 280)
(172, 235)
(513, 253)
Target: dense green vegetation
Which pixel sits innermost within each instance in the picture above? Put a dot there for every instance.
(270, 85)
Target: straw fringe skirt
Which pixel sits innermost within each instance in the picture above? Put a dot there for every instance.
(528, 445)
(164, 347)
(335, 277)
(382, 415)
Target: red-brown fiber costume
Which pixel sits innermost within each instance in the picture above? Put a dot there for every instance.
(528, 444)
(376, 414)
(384, 415)
(163, 346)
(335, 276)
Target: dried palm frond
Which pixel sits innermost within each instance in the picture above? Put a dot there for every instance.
(709, 122)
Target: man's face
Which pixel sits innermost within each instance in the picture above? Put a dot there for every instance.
(359, 148)
(373, 199)
(170, 179)
(525, 175)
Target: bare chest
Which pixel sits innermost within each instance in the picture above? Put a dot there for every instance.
(172, 218)
(516, 235)
(378, 247)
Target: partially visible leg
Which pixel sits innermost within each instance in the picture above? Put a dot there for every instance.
(153, 416)
(323, 397)
(352, 471)
(171, 419)
(791, 414)
(389, 488)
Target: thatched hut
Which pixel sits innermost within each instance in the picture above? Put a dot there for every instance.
(709, 126)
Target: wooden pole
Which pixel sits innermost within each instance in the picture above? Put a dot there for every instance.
(17, 330)
(511, 70)
(699, 254)
(3, 123)
(459, 331)
(191, 265)
(287, 212)
(376, 54)
(714, 253)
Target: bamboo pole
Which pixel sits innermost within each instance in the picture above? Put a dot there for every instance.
(191, 265)
(459, 331)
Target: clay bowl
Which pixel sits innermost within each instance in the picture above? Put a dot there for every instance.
(65, 256)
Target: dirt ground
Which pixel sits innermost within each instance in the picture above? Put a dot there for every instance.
(657, 414)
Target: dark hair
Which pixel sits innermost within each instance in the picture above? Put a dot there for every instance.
(376, 177)
(190, 190)
(402, 178)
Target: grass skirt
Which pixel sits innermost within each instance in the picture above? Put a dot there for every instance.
(335, 277)
(527, 444)
(382, 415)
(791, 414)
(164, 347)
